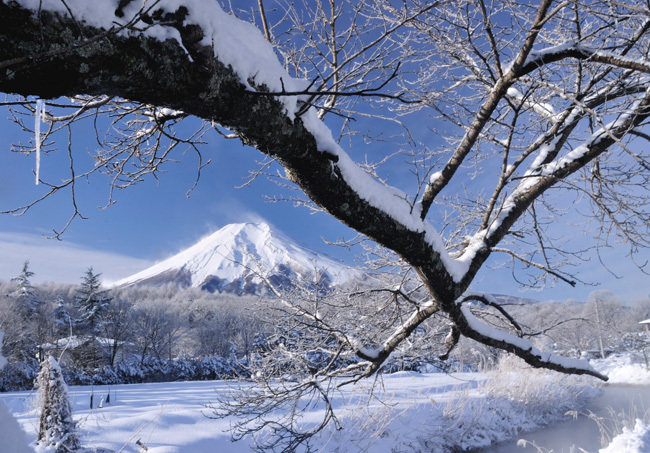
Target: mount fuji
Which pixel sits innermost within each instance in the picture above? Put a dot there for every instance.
(230, 259)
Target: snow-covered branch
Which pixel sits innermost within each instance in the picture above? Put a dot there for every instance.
(484, 333)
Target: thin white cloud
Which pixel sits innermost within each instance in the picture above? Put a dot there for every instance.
(232, 210)
(61, 261)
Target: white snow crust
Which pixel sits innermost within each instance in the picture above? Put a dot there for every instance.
(635, 440)
(623, 370)
(447, 411)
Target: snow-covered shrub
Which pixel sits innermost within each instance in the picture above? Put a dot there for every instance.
(106, 376)
(517, 381)
(219, 368)
(18, 376)
(514, 398)
(631, 440)
(129, 373)
(183, 369)
(57, 430)
(11, 434)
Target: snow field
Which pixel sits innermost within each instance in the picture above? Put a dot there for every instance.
(623, 369)
(405, 412)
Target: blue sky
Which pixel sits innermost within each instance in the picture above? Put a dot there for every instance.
(156, 219)
(149, 221)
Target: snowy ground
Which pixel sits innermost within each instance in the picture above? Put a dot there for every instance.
(624, 369)
(408, 412)
(171, 417)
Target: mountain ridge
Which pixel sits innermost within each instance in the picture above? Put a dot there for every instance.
(229, 259)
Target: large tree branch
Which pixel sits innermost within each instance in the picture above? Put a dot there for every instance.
(160, 73)
(577, 51)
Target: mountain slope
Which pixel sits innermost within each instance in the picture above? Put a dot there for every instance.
(227, 261)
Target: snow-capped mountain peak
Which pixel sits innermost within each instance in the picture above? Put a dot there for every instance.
(228, 260)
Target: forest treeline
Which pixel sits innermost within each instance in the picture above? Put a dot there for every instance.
(148, 334)
(127, 334)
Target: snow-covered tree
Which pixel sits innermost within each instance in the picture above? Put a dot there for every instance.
(549, 104)
(63, 321)
(25, 321)
(57, 429)
(508, 115)
(118, 325)
(24, 293)
(92, 301)
(12, 435)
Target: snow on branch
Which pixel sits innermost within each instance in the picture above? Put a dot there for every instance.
(553, 54)
(489, 299)
(543, 174)
(478, 330)
(242, 47)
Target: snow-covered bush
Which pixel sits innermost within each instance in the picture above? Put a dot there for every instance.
(514, 398)
(18, 376)
(57, 430)
(220, 368)
(11, 434)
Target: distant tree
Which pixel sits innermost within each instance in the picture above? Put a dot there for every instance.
(16, 330)
(156, 329)
(25, 320)
(92, 301)
(24, 292)
(57, 429)
(117, 325)
(13, 437)
(63, 321)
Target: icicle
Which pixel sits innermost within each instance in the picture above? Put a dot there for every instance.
(39, 115)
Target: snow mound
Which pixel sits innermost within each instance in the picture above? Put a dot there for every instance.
(636, 440)
(12, 435)
(623, 369)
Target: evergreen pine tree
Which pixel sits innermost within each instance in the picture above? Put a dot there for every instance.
(24, 347)
(57, 429)
(24, 293)
(92, 301)
(62, 319)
